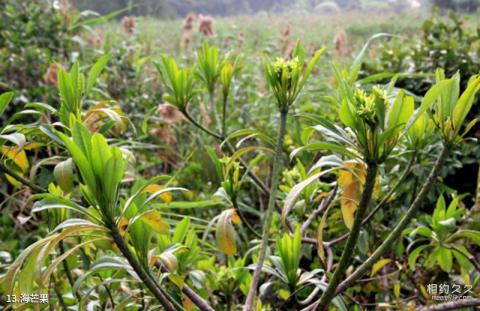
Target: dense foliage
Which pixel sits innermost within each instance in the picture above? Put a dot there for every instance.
(227, 173)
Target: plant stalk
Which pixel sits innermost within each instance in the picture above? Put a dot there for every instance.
(453, 305)
(224, 116)
(372, 213)
(196, 299)
(275, 180)
(351, 243)
(194, 122)
(67, 270)
(59, 294)
(24, 181)
(397, 230)
(190, 293)
(213, 108)
(138, 268)
(257, 181)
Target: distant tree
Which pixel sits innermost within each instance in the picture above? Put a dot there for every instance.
(349, 4)
(458, 5)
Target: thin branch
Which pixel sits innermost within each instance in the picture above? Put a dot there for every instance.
(380, 204)
(19, 178)
(245, 220)
(59, 294)
(224, 115)
(275, 180)
(397, 230)
(190, 293)
(196, 299)
(453, 305)
(261, 185)
(67, 270)
(109, 292)
(348, 252)
(137, 267)
(323, 206)
(194, 122)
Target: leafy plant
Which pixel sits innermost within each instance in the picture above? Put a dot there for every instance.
(73, 88)
(285, 81)
(446, 241)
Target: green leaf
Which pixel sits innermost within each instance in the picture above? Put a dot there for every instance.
(289, 249)
(103, 263)
(250, 133)
(444, 258)
(465, 234)
(240, 152)
(63, 175)
(412, 257)
(310, 66)
(26, 275)
(434, 93)
(324, 146)
(95, 72)
(79, 223)
(464, 104)
(15, 138)
(5, 99)
(295, 192)
(379, 265)
(401, 110)
(357, 63)
(51, 202)
(461, 257)
(181, 230)
(81, 161)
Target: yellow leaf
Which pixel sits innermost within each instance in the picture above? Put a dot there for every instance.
(13, 181)
(225, 233)
(235, 218)
(187, 303)
(156, 222)
(424, 291)
(166, 197)
(18, 157)
(32, 146)
(411, 306)
(122, 225)
(152, 261)
(396, 290)
(258, 305)
(351, 180)
(379, 265)
(283, 293)
(177, 280)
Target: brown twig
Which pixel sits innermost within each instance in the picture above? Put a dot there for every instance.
(323, 206)
(453, 305)
(190, 293)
